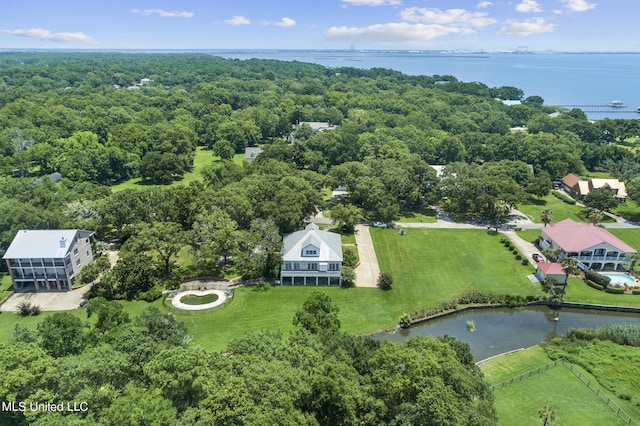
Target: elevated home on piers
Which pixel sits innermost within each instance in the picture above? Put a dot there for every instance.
(311, 257)
(48, 260)
(593, 247)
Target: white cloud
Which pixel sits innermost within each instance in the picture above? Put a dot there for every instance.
(372, 2)
(578, 5)
(391, 32)
(528, 27)
(237, 20)
(285, 22)
(529, 6)
(484, 4)
(459, 17)
(163, 13)
(42, 34)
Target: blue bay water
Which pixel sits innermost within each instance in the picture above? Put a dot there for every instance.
(559, 78)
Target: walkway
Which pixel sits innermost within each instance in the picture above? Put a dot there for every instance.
(526, 248)
(368, 270)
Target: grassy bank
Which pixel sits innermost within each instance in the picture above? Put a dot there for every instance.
(572, 402)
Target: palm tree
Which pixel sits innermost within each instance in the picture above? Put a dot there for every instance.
(546, 216)
(634, 258)
(595, 216)
(552, 254)
(547, 415)
(570, 267)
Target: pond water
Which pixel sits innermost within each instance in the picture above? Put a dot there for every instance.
(192, 299)
(503, 330)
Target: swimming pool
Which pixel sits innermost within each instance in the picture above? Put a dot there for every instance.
(617, 278)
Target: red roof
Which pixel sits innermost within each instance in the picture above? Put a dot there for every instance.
(574, 236)
(551, 268)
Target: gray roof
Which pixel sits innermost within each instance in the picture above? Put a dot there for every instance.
(43, 244)
(251, 152)
(329, 243)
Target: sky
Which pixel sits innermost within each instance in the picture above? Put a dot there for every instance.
(562, 25)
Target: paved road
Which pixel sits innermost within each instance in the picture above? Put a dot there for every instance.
(368, 270)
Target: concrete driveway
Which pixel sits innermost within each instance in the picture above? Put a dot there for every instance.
(368, 270)
(54, 301)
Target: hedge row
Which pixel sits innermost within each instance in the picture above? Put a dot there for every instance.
(594, 285)
(563, 198)
(597, 278)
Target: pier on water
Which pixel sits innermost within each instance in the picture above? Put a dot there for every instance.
(602, 108)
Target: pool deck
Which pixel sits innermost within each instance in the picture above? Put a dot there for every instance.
(625, 279)
(222, 297)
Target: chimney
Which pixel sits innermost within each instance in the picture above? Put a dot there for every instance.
(63, 242)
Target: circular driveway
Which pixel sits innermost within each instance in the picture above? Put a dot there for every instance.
(178, 304)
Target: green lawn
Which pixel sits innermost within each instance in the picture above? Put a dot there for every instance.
(558, 388)
(425, 215)
(572, 402)
(560, 210)
(500, 369)
(630, 210)
(428, 266)
(431, 265)
(529, 235)
(202, 158)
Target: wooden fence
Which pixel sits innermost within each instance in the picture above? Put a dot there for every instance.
(591, 384)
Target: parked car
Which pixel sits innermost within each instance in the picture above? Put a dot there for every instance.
(537, 257)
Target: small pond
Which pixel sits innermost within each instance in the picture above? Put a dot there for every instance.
(503, 330)
(192, 299)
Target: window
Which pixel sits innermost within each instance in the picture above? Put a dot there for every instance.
(311, 252)
(75, 251)
(311, 266)
(78, 262)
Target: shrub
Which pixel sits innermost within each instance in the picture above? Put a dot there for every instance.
(385, 281)
(615, 290)
(348, 277)
(349, 257)
(597, 278)
(405, 321)
(525, 262)
(24, 309)
(35, 310)
(518, 257)
(636, 291)
(151, 295)
(564, 198)
(594, 285)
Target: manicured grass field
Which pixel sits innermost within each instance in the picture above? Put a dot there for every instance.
(505, 367)
(560, 209)
(426, 215)
(431, 265)
(630, 210)
(202, 158)
(557, 388)
(529, 235)
(428, 266)
(572, 402)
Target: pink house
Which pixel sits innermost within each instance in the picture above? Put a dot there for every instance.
(553, 270)
(593, 247)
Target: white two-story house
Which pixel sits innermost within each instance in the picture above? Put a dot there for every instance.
(48, 260)
(593, 247)
(311, 257)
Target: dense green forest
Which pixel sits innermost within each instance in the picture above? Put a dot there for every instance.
(115, 371)
(103, 119)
